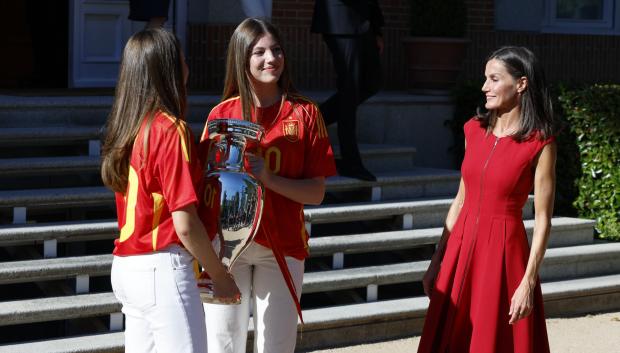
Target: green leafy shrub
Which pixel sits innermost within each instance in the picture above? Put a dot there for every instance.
(593, 114)
(438, 18)
(568, 164)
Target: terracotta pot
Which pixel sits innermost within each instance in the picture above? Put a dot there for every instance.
(434, 63)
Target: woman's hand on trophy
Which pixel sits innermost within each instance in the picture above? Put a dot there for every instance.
(257, 167)
(309, 191)
(225, 289)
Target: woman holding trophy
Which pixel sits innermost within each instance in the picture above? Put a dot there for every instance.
(149, 160)
(291, 161)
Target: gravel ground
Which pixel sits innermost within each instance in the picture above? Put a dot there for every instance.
(589, 334)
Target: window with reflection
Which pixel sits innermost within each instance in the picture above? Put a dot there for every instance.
(579, 16)
(589, 10)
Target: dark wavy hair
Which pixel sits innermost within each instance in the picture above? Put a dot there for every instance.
(150, 79)
(536, 107)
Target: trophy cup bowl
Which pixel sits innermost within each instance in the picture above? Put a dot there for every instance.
(233, 198)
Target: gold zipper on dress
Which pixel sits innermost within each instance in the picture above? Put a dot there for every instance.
(473, 243)
(484, 169)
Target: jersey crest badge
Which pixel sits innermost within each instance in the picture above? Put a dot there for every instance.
(290, 130)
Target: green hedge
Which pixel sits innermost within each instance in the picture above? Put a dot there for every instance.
(588, 165)
(593, 115)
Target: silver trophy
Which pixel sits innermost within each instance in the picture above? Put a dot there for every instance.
(232, 197)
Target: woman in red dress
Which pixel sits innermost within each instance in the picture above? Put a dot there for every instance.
(483, 279)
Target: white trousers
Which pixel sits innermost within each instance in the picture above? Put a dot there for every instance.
(161, 302)
(264, 292)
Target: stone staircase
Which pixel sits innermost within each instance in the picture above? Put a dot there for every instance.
(371, 241)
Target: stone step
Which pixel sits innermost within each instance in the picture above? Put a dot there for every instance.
(57, 197)
(99, 343)
(397, 185)
(581, 296)
(382, 158)
(21, 234)
(424, 213)
(574, 261)
(57, 308)
(361, 323)
(559, 263)
(415, 183)
(322, 281)
(396, 118)
(581, 261)
(413, 214)
(364, 277)
(62, 111)
(49, 135)
(55, 268)
(564, 232)
(40, 142)
(390, 185)
(380, 320)
(49, 165)
(63, 134)
(420, 213)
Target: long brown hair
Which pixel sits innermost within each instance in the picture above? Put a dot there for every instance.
(237, 81)
(150, 79)
(536, 107)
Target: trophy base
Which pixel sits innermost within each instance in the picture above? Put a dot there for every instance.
(205, 287)
(209, 298)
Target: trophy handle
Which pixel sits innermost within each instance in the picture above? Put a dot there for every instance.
(236, 198)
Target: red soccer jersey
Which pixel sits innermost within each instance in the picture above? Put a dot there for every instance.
(295, 146)
(161, 181)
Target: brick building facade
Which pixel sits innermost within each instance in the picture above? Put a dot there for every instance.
(309, 58)
(566, 57)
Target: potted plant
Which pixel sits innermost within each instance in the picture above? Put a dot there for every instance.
(436, 48)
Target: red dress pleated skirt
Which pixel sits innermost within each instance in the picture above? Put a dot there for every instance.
(486, 255)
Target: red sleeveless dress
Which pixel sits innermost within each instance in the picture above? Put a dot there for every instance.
(486, 254)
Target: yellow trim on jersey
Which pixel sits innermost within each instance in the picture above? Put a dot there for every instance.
(322, 129)
(158, 207)
(304, 234)
(227, 100)
(301, 97)
(196, 267)
(183, 132)
(205, 130)
(131, 199)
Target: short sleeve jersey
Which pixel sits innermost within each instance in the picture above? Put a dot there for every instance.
(162, 179)
(295, 146)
